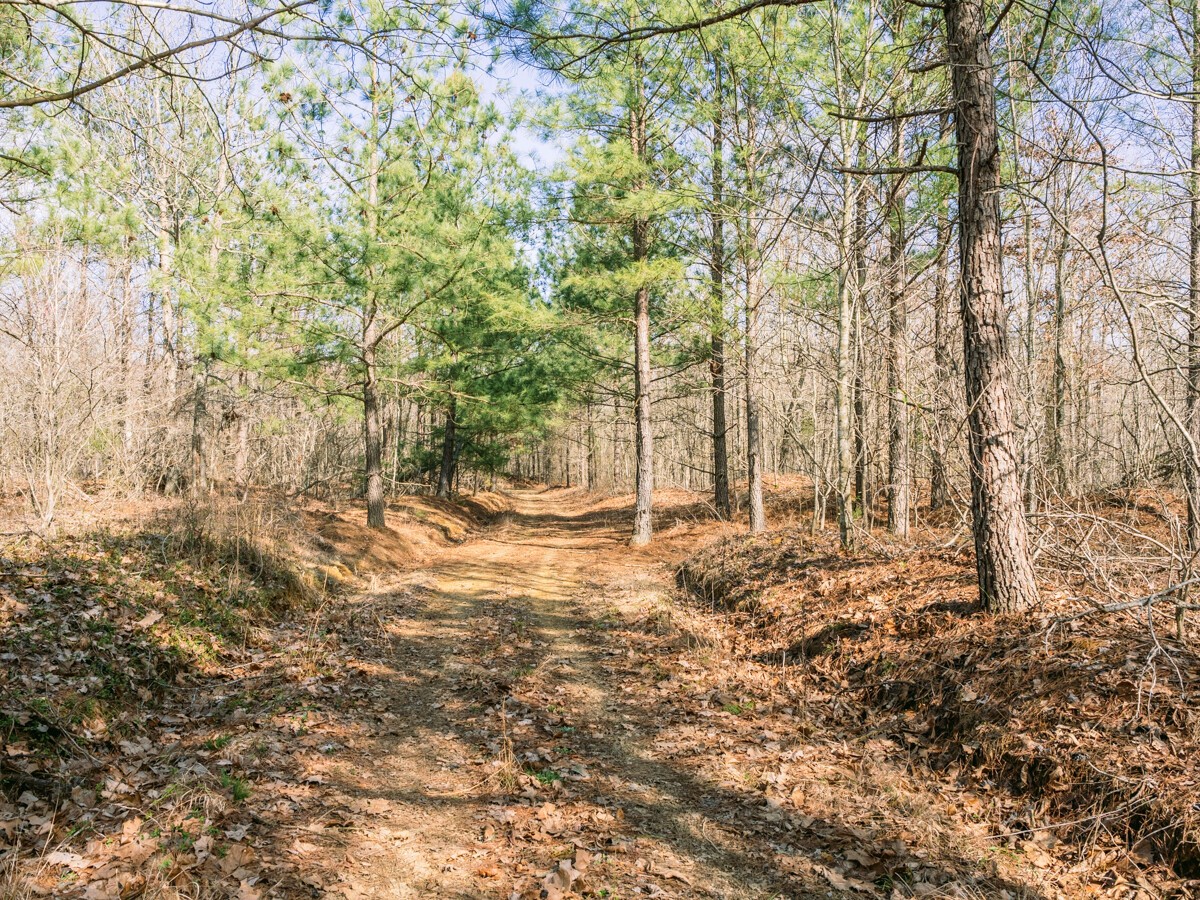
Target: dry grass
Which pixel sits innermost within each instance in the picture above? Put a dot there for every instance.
(14, 882)
(258, 542)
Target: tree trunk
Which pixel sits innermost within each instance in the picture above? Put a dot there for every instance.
(1029, 380)
(241, 457)
(754, 440)
(862, 467)
(939, 476)
(449, 447)
(372, 436)
(372, 426)
(1058, 404)
(752, 267)
(844, 386)
(862, 450)
(125, 359)
(644, 435)
(202, 361)
(1192, 453)
(642, 528)
(166, 273)
(720, 448)
(199, 416)
(898, 450)
(151, 346)
(1005, 570)
(1193, 386)
(592, 450)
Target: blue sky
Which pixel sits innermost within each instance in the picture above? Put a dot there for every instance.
(506, 81)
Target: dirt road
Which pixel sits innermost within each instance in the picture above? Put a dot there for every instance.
(546, 723)
(518, 740)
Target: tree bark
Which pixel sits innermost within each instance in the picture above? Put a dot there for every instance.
(752, 267)
(592, 450)
(1192, 463)
(241, 458)
(166, 273)
(642, 527)
(199, 483)
(372, 438)
(898, 445)
(862, 449)
(202, 361)
(371, 338)
(644, 437)
(1005, 570)
(1058, 404)
(1019, 82)
(754, 437)
(1191, 467)
(844, 385)
(125, 357)
(720, 446)
(862, 461)
(449, 448)
(939, 476)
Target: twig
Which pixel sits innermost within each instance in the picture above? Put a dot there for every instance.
(1135, 604)
(1093, 817)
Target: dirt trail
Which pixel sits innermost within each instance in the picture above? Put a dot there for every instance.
(531, 713)
(516, 613)
(538, 705)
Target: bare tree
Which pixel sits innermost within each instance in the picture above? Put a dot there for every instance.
(899, 512)
(61, 385)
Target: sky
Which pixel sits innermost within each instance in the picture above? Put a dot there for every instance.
(506, 81)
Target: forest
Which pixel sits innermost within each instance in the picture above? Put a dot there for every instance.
(599, 448)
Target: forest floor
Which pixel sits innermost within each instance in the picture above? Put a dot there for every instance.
(535, 711)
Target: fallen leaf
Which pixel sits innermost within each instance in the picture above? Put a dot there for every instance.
(149, 619)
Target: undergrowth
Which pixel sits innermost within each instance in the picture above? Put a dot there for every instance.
(172, 678)
(1088, 729)
(95, 626)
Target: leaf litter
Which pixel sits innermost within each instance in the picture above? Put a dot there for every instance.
(522, 719)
